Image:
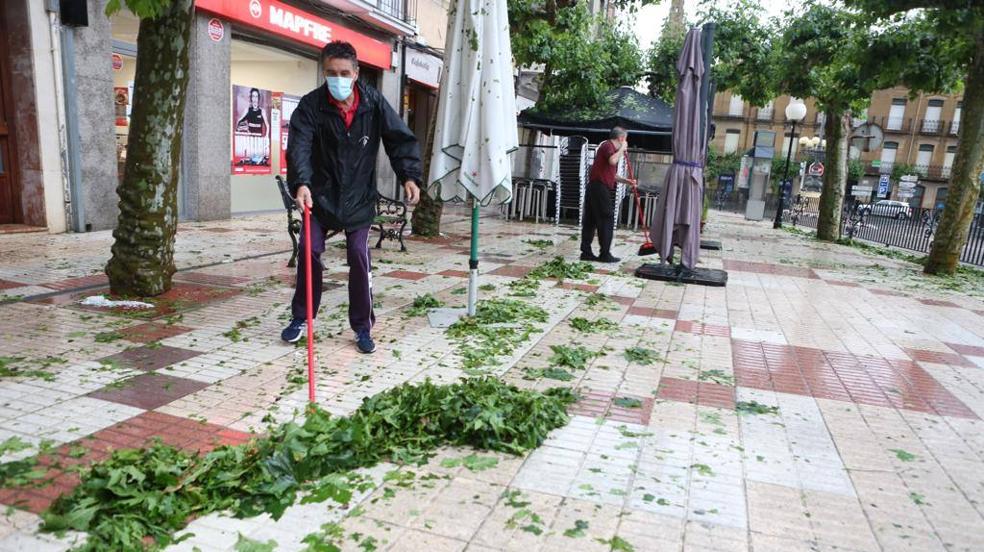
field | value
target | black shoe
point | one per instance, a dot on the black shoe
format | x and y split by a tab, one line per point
608	259
589	257
293	332
365	343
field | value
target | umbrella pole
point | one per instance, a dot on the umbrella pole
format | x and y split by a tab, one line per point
473	261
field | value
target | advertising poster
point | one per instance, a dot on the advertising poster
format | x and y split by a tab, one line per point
251	130
288	104
121	103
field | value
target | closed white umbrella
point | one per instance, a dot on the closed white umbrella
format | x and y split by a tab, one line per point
476	116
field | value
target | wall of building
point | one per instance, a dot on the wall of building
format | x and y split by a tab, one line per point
206	160
432	22
46	53
94	85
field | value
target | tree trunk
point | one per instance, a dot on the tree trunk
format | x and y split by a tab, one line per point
426	219
143	252
964	188
837	127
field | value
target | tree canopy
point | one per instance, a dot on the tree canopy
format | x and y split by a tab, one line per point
583	56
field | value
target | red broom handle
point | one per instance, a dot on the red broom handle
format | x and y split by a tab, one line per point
310	302
635	191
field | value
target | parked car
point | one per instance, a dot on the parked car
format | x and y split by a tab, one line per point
887	208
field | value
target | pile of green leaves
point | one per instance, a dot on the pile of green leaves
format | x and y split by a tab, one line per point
138	499
525	287
560	269
498	327
641	355
585	325
576	358
422	304
540	244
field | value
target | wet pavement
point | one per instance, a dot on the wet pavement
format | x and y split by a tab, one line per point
826	399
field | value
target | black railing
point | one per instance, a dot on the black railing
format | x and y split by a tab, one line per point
928	172
891	224
893	124
932	126
404	10
954	128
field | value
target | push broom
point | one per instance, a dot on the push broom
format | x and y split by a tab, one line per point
309	301
646	248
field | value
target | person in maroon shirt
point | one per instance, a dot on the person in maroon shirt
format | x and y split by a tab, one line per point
599	198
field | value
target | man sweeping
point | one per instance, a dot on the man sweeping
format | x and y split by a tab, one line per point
334	139
599	199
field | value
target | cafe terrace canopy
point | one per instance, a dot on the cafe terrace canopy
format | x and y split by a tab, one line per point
648	120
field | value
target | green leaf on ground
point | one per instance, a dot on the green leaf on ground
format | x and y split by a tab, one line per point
716	376
553	373
599	325
641	355
246	544
903	455
703	469
561	270
917	498
422	304
576	358
473	462
540	244
755	407
617	544
627	402
578	531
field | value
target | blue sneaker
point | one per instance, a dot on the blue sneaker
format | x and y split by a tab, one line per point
365	343
295	331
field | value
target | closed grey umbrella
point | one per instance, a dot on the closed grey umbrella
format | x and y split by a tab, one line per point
678	212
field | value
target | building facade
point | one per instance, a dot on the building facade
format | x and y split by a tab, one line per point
63	133
919	135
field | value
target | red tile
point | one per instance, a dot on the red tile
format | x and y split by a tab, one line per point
888	292
641	311
149	359
210	279
75	283
765	268
512	271
406	275
969	350
937	357
939	303
702	329
10	284
149	391
453	273
843	284
151	331
622	300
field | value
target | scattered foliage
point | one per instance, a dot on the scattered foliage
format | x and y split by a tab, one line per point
641	355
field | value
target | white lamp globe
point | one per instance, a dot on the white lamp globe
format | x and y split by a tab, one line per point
795	111
804	141
823	143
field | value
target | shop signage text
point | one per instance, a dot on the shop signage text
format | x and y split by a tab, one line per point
424	68
287	21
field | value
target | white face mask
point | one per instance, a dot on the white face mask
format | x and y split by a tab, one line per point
340	88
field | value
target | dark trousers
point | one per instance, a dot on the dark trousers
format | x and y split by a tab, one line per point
599	214
361	315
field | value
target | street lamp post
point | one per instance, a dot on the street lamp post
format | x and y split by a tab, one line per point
795	112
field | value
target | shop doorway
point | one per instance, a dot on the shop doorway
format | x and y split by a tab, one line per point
9	192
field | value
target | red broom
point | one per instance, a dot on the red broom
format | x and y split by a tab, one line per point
646	248
310	301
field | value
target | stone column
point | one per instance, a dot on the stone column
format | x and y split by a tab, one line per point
97	116
206	149
392	91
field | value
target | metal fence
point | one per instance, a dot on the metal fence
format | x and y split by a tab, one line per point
890	223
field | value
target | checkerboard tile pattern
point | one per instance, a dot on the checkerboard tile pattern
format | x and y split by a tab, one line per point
842	376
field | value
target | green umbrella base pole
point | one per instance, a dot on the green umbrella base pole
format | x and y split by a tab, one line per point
473	262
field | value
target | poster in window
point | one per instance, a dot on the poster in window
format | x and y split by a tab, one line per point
251	130
121	104
288	105
276	98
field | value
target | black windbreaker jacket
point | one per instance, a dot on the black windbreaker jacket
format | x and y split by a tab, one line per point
339	165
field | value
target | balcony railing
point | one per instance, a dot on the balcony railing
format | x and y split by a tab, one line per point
404	10
929	172
954	128
764	114
932	126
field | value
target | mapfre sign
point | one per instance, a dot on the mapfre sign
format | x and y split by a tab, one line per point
290	22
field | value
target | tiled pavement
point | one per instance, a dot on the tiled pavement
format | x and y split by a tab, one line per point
824	400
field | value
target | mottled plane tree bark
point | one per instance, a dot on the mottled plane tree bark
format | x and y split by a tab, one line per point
142	262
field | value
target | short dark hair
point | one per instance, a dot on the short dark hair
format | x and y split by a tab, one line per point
338	49
618	132
257	90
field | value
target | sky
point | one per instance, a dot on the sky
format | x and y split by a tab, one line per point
649	20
